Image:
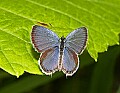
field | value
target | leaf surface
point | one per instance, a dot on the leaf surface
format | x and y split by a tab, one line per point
102	18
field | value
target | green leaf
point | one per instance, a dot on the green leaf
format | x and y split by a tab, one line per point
102	18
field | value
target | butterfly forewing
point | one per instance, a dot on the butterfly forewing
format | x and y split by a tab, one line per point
70	62
76	40
43	38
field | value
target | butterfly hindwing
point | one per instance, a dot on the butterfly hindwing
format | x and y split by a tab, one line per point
70	62
49	60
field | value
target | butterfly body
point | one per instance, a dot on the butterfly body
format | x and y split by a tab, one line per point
62	40
58	54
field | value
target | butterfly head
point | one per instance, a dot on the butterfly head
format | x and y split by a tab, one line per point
62	38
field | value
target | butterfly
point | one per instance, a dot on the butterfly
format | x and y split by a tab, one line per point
58	54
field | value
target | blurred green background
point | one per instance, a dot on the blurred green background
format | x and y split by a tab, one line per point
97	77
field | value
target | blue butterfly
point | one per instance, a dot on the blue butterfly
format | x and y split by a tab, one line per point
58	53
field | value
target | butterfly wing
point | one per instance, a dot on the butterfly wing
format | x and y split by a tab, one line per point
74	44
43	38
49	60
76	40
70	62
47	42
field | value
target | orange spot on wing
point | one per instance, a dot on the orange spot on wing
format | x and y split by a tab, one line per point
44	54
75	57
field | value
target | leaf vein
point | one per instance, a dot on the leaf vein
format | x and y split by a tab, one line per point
84	9
58	11
14	35
8	61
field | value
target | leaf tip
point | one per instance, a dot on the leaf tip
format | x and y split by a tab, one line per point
17	76
118	43
95	59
